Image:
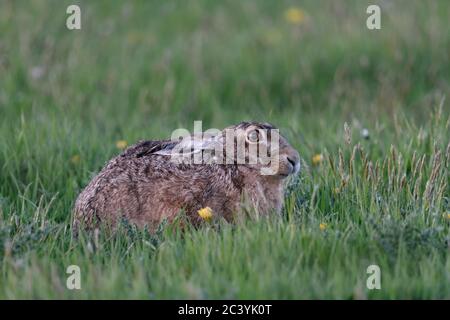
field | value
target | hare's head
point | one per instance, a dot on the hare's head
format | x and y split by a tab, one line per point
260	146
249	145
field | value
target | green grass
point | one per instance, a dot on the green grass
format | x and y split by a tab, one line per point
140	70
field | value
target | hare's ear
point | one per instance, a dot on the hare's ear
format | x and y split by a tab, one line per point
193	144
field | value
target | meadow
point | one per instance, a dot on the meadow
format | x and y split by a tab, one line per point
368	111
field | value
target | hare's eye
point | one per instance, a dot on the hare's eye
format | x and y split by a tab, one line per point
253	136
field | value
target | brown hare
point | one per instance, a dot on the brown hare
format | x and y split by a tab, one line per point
155	180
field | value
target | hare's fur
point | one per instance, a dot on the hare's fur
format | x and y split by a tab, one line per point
143	186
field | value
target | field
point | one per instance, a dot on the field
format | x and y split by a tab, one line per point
368	110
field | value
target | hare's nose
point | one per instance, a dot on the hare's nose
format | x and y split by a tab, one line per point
295	163
292	161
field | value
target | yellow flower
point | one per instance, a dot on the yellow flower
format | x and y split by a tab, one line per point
337	190
448	216
323	226
317	159
75	159
294	15
205	213
121	144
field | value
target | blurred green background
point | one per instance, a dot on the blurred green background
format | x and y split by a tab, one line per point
70	100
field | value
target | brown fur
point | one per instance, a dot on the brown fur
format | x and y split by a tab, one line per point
145	187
